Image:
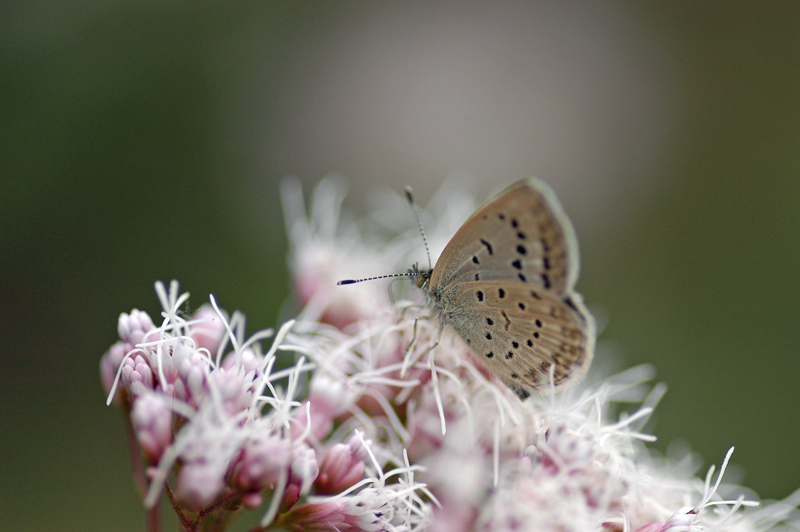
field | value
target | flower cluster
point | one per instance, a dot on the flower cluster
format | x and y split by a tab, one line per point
379	420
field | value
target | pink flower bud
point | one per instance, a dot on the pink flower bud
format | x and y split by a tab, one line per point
234	391
261	463
109	365
248	360
304	467
302	473
190	384
366	512
322	517
251	501
207	334
199	483
152	423
680	520
133	327
342	467
137	376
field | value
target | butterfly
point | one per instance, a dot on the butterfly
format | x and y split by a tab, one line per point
505	283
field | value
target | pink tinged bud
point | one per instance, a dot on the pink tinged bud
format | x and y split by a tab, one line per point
152	423
290	496
321	417
678	522
137	376
207	334
261	463
109	365
133	327
326	516
190	384
302	473
199	483
340	469
304	467
251	501
247	360
233	388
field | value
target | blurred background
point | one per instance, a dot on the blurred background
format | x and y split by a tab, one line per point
146	140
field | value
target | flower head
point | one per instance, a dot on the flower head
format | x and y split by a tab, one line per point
374	418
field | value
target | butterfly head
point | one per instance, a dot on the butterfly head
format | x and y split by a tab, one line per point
421	276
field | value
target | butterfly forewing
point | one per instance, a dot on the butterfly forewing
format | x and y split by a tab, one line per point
520	235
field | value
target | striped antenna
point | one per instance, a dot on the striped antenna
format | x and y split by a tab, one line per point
415	271
410	198
354	281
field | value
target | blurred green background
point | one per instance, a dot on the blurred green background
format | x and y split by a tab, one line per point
145	141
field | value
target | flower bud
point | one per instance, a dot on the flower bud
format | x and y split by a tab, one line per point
109	365
152	423
207	333
198	484
133	327
261	463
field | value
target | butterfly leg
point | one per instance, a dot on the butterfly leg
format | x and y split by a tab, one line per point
410	359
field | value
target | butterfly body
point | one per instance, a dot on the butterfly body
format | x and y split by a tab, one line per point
504	284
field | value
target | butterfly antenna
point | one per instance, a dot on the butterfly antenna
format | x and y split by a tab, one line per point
410	198
354	281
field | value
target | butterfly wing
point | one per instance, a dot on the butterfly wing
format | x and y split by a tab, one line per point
519	331
504	283
522	234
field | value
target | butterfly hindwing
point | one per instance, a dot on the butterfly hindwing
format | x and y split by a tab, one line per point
519	331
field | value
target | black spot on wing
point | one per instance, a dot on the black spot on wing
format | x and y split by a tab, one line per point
571	305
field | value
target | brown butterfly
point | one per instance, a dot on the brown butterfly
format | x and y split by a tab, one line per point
504	284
